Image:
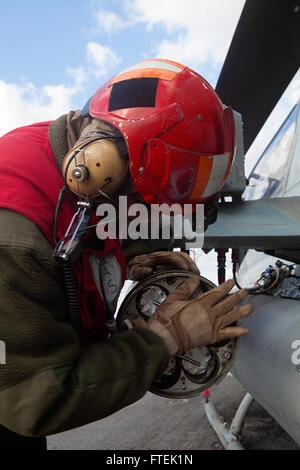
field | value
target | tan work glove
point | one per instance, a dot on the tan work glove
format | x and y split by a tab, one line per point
184	323
142	266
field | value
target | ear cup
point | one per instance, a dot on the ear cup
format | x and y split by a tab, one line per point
94	164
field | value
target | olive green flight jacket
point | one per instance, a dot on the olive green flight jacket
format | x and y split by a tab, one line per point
51	382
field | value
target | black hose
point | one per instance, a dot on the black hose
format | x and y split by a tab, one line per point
59	202
71	289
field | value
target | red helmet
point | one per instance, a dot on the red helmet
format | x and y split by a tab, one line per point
180	137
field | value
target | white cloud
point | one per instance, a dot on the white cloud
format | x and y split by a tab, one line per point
196	31
26	103
109	22
101	58
80	77
201	31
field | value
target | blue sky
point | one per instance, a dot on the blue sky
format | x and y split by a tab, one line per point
44	38
56	53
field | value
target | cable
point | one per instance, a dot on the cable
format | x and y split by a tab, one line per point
60	199
72	233
276	279
252	290
65	261
260	289
71	286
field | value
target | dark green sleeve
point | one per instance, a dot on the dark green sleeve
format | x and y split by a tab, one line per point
50	382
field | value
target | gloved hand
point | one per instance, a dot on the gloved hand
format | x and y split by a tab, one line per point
184	323
142	265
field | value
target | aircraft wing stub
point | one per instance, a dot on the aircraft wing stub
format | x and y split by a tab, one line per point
264	224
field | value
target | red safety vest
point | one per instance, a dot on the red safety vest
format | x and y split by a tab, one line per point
30	181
